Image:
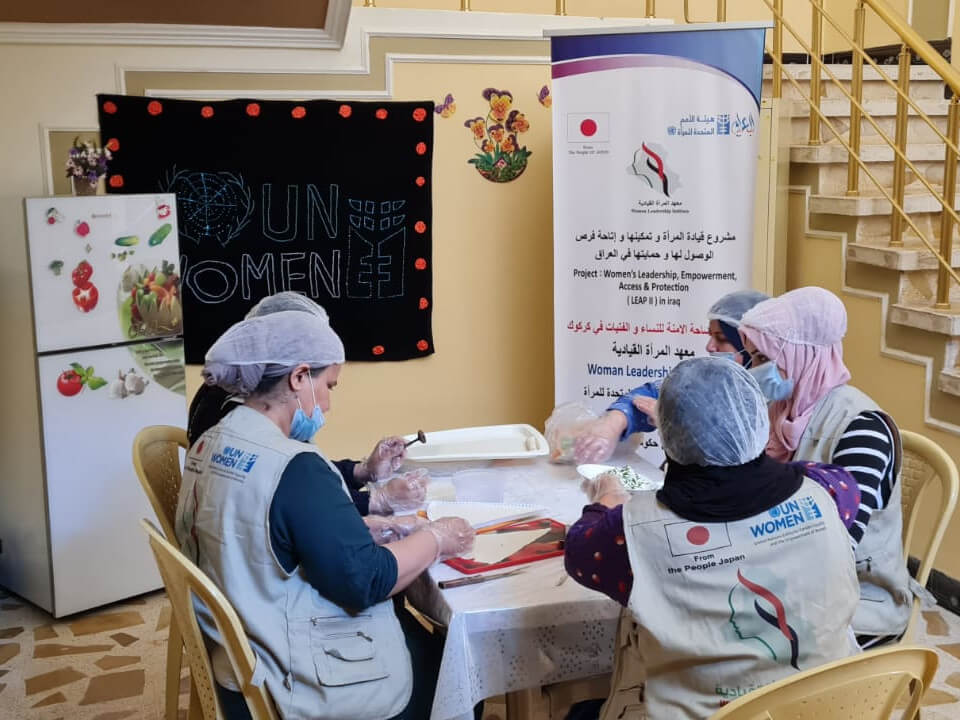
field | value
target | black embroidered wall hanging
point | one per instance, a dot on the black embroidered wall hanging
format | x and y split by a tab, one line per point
325	198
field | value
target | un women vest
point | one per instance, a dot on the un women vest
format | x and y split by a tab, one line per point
319	661
885	584
719	609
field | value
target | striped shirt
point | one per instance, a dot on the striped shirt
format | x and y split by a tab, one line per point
866	451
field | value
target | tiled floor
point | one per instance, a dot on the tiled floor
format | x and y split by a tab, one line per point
109	664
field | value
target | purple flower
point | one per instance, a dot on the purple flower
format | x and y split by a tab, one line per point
490	92
542	95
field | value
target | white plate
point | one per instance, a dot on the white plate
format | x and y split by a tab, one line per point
493	442
649	483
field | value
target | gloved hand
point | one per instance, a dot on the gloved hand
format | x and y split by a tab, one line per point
404	492
386	458
454	537
597	442
646	405
393	527
607	483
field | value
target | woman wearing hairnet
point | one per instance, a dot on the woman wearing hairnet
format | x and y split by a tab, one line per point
633	413
736	573
271	523
795	342
211	403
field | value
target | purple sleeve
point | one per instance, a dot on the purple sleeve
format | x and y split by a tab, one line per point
595	552
841	485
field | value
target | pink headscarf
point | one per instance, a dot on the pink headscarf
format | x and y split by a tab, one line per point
802	332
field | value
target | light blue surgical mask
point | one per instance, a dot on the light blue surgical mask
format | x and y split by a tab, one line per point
731	356
303	428
773	385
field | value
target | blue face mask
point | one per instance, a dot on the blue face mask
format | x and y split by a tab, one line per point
772	384
732	356
303	428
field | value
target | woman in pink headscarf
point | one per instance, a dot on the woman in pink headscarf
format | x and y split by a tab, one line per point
795	343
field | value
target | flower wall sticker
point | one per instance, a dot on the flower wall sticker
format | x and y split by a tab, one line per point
544	96
447	108
501	158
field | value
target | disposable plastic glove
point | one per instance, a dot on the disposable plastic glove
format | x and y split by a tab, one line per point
454	537
404	492
386	458
607	483
386	529
597	442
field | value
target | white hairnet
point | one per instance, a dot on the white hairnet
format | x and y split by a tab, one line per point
731	307
286	300
270	346
711	413
805	316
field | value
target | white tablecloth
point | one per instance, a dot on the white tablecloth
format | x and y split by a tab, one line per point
527	630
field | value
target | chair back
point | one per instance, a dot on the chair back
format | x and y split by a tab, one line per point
925	465
184	581
867	686
157	462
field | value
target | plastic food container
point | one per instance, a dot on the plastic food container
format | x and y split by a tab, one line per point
492	442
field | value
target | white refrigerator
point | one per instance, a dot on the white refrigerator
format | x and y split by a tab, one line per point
108	323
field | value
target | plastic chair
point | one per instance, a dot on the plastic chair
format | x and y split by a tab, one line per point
185	581
924	462
867	686
156	459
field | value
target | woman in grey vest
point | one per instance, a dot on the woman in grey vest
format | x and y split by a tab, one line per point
795	342
373	499
270	520
729	572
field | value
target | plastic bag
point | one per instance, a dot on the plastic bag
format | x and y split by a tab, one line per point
565	423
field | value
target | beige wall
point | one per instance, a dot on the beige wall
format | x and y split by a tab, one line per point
930	18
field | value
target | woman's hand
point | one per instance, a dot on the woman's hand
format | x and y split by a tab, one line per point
404	492
454	537
605	488
599	439
646	405
386	459
387	529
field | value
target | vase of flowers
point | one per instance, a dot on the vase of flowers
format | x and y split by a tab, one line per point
501	158
86	164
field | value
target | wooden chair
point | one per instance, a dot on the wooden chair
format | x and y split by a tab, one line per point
924	464
184	582
867	686
156	458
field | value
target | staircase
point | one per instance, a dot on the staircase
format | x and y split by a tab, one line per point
903	279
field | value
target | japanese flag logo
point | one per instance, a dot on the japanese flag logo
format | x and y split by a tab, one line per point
588	127
687	538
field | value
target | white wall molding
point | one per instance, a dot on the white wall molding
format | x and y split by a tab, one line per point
329	37
394	22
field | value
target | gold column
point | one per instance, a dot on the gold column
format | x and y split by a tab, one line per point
721	10
651	8
777	48
561	7
949	194
856	87
465	5
369	3
815	68
900	140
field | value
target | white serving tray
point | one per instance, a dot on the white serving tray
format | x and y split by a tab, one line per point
493	442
